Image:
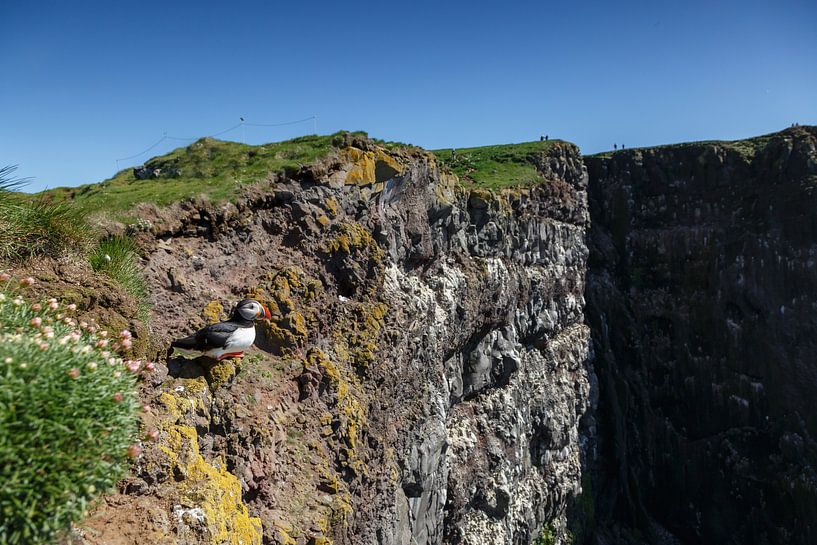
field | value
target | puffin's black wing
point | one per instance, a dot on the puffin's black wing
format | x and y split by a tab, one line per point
212	336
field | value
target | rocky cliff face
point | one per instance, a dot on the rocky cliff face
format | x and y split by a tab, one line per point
422	380
702	295
426	377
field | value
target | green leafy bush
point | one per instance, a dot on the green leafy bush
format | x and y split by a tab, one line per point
546	536
68	417
118	258
32	226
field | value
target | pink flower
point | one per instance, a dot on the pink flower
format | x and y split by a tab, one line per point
53	305
117	397
102	342
5	277
43	346
146	408
73	373
150	367
27	281
125	344
36	322
83	324
36	306
132	365
72	306
124	334
134	451
103	333
153	435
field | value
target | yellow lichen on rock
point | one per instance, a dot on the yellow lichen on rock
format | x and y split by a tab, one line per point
350	411
281	341
387	164
362	171
221	373
178	406
369	167
284	532
363	340
351	236
331	205
213	489
212	312
199	485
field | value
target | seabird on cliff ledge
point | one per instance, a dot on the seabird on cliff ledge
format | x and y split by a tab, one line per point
228	339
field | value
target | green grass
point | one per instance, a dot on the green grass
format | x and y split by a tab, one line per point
33	226
747	147
64	431
497	167
546	536
118	258
214	168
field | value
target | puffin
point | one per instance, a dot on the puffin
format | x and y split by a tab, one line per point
227	339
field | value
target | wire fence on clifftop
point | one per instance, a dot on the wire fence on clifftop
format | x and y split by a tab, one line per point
242	125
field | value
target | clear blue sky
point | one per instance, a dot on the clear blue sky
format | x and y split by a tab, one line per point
87	82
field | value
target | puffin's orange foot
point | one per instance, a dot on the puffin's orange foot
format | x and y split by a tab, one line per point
231	355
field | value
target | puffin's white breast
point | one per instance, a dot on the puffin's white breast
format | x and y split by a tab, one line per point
242	339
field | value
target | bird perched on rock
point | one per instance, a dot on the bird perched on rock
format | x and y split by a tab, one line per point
228	339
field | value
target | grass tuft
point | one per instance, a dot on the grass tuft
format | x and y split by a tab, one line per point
118	258
68	417
37	226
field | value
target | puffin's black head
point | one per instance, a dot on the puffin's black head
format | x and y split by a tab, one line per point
250	309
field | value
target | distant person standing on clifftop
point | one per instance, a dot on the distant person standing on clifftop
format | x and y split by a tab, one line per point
615	146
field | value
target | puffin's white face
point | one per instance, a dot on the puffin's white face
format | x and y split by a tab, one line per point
251	310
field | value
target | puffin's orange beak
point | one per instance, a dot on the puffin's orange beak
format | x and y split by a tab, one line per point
267	314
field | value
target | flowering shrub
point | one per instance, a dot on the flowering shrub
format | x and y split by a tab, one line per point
68	415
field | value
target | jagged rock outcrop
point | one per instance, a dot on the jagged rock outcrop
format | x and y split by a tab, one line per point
701	295
422	379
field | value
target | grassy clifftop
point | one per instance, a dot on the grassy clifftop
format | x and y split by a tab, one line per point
208	166
497	167
747	147
218	169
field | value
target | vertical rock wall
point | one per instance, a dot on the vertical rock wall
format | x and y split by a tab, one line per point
702	297
492	321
